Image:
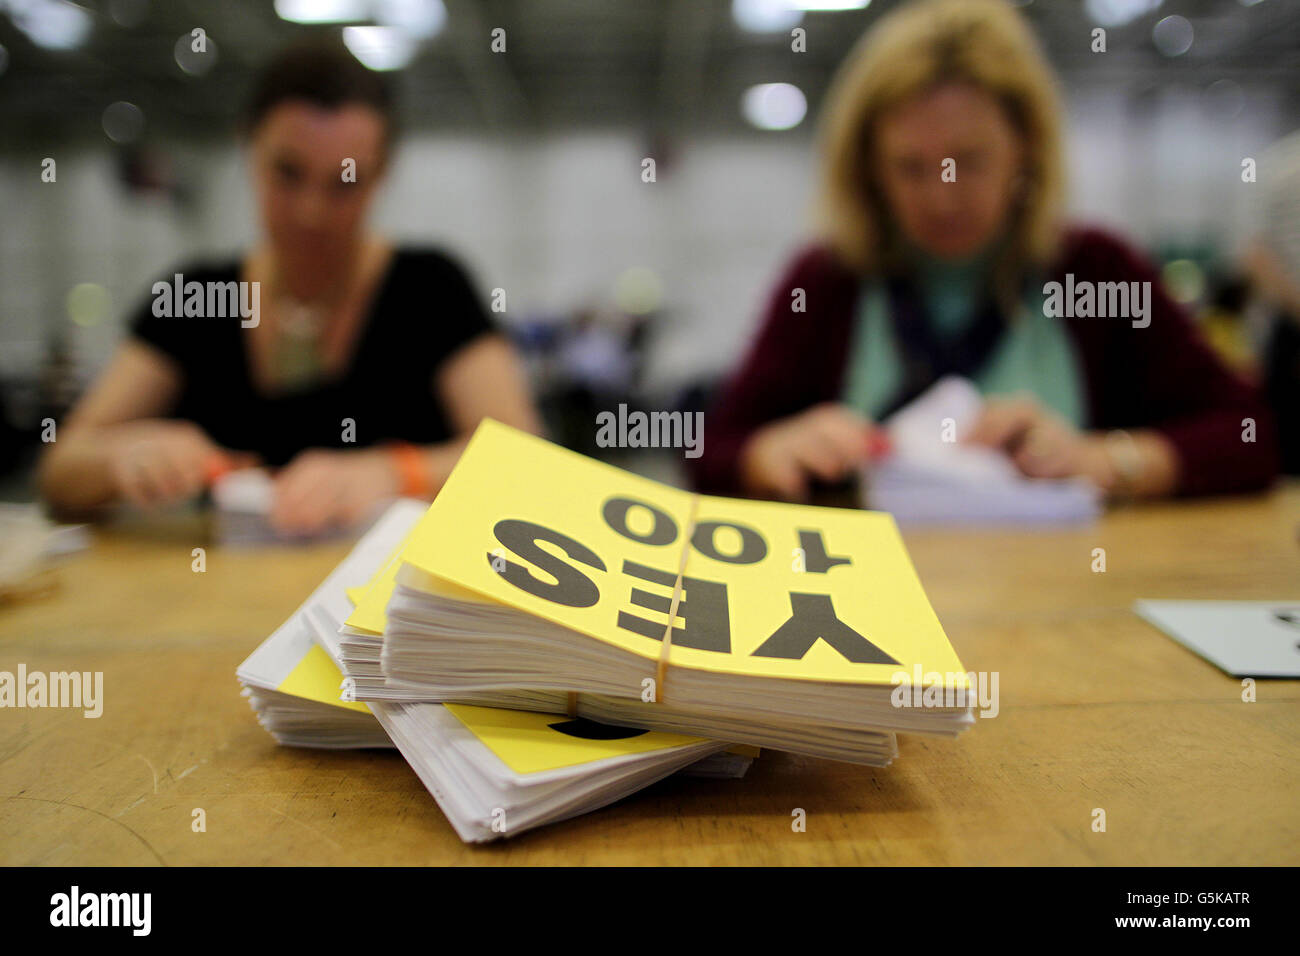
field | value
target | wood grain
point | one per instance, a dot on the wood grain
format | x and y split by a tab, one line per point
1098	709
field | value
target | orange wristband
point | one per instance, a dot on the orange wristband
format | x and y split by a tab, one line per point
216	467
412	469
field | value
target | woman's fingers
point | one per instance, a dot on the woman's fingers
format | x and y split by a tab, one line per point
1003	423
826	442
132	482
1039	444
186	470
1045	452
300	497
307	495
168	476
820	455
838	440
153	475
780	473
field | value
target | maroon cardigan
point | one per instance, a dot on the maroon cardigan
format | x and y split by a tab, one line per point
1162	376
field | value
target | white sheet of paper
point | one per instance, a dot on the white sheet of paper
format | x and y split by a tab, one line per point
1242	638
932	476
249	490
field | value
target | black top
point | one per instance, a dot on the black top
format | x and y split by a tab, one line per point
423	312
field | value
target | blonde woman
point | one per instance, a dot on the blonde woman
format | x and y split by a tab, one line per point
940	200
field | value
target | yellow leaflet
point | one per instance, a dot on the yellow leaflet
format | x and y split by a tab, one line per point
776	590
355	594
531	743
317	678
368	614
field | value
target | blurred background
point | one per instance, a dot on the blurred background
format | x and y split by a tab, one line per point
527	164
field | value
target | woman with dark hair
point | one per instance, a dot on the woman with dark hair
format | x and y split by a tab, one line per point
360	368
943	253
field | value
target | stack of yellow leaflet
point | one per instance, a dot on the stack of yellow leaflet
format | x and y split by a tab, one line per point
543	580
494	772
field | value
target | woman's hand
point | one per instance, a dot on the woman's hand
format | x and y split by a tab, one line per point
158	462
322	488
826	442
1141	464
1041	444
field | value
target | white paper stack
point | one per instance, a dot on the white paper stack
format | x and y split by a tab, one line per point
490	788
241	501
931	476
428	621
494	773
357	651
805	651
292	685
438	665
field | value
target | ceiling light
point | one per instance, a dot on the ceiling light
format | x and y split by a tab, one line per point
52	24
419	18
123	122
1173	36
827	6
192	61
765	16
774	105
322	11
128	13
380	48
1116	13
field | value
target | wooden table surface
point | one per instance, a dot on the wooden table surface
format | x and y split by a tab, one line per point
1098	710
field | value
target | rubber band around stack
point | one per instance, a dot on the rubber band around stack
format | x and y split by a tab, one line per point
665	646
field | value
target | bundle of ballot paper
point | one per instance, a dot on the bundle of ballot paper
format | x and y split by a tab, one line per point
932	476
542	580
494	772
554	633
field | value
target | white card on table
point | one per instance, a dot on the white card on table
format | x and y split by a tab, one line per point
1243	638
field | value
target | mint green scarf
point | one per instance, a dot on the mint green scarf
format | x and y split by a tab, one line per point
1034	355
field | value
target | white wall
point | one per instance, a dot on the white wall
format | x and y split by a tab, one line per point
553	219
1175	171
